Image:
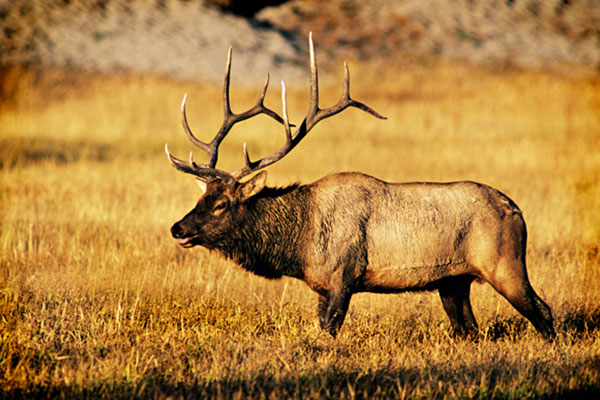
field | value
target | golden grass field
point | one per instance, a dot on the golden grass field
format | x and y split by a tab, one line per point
97	300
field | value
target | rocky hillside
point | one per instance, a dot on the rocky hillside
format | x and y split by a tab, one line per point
188	39
527	33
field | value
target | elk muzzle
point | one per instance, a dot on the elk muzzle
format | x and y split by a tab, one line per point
185	239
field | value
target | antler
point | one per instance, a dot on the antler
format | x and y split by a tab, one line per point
314	115
208	171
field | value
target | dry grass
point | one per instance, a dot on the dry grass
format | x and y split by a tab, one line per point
96	300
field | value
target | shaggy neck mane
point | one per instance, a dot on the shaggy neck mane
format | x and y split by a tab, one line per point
267	241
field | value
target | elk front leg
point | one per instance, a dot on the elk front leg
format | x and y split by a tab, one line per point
332	311
323	311
334	304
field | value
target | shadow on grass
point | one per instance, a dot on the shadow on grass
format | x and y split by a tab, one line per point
580	322
575	324
494	380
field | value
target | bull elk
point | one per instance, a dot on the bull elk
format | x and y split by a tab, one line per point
350	232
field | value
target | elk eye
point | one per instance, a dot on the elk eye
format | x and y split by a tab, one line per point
219	207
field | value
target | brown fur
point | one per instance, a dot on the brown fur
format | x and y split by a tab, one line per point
350	232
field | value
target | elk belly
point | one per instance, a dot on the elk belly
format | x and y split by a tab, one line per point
401	278
414	256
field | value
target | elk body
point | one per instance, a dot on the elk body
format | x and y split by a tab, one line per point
349	232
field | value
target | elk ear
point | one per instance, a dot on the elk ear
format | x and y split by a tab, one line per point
252	186
201	185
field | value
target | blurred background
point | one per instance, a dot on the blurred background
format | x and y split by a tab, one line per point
188	39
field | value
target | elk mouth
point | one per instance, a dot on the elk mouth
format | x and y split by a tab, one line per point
188	241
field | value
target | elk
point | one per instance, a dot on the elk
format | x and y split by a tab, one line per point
350	232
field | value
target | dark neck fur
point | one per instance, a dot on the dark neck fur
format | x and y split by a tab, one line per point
269	239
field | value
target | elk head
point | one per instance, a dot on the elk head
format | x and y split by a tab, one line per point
213	218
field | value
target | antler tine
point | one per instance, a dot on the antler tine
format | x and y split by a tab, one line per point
351	102
286	120
226	84
230	118
267	111
290	143
211	149
202	171
313	106
197	142
314	115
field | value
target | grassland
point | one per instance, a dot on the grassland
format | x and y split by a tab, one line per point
96	300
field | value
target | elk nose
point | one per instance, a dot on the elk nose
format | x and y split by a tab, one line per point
177	231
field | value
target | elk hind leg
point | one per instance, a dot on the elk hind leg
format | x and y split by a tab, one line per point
515	287
454	293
